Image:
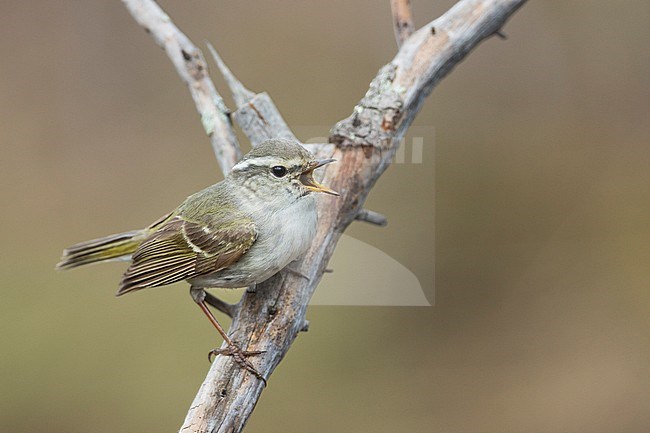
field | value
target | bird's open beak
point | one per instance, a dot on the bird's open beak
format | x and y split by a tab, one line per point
307	177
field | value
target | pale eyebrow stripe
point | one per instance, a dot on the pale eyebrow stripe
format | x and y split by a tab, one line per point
266	161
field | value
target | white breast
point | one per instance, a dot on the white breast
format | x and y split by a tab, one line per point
283	236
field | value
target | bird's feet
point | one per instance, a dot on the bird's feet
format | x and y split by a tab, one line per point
240	357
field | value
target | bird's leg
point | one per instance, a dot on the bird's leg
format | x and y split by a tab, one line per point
291	268
226	308
239	355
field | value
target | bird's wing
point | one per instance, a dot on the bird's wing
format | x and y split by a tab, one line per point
181	248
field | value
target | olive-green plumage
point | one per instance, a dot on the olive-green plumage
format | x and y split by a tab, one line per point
237	232
112	247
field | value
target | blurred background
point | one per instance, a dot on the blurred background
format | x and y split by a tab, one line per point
531	204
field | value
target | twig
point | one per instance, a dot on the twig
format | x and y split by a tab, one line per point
191	67
240	94
256	114
371	217
402	20
260	120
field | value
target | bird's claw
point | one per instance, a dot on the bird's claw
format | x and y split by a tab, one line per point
239	356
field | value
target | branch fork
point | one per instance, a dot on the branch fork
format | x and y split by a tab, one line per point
363	144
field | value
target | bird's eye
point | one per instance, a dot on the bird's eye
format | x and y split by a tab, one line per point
279	171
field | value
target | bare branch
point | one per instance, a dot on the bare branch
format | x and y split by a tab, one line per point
240	94
192	68
371	217
400	88
256	114
402	20
260	120
271	318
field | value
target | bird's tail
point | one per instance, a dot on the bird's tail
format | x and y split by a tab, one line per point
113	247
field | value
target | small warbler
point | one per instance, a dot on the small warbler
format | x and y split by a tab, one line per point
236	233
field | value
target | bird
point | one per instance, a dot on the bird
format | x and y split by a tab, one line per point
236	233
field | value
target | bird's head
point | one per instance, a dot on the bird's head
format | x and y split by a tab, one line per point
278	167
